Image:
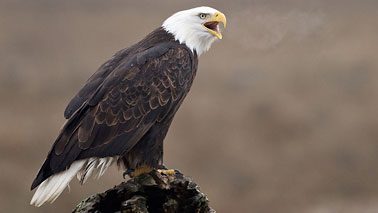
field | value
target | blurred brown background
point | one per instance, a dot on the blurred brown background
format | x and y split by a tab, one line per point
282	116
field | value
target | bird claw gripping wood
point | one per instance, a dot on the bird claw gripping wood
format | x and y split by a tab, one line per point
168	172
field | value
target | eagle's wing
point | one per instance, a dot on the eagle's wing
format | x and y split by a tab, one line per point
117	112
94	82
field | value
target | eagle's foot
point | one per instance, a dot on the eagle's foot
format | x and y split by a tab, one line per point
167	172
128	172
138	171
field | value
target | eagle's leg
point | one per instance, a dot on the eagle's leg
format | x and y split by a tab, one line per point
147	154
139	171
146	169
136	172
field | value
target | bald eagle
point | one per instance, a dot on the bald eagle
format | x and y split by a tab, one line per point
123	112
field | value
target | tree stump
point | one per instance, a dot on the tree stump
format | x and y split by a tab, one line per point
148	193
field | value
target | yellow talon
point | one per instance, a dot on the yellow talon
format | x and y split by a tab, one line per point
141	170
167	171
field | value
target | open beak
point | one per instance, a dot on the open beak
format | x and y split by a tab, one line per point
212	25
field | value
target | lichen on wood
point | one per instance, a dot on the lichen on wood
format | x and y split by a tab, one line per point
149	193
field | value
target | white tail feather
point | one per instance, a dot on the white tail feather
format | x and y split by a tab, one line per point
50	189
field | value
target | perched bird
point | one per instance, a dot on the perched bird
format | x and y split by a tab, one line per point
123	112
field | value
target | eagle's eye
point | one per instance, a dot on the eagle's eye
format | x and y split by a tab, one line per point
203	15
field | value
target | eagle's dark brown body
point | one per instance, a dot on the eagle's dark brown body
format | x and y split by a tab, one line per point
126	107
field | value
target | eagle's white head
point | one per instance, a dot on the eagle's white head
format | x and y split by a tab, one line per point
198	28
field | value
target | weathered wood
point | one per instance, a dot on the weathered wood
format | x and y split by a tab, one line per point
147	193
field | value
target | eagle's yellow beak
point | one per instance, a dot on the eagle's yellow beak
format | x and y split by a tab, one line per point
212	24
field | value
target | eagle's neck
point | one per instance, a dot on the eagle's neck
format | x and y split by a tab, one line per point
196	40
